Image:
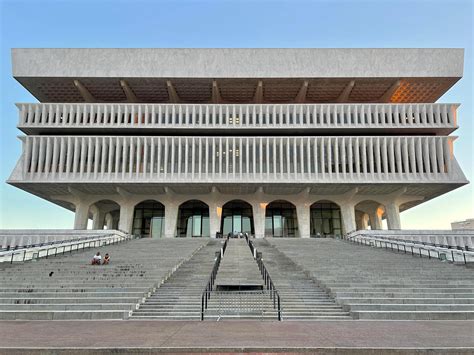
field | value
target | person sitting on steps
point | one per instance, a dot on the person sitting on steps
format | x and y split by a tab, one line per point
106	259
96	259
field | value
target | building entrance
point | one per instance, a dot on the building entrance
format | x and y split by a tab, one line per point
193	219
149	219
325	219
237	217
281	220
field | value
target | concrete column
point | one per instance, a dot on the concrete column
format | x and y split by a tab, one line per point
365	221
98	219
348	217
259	219
171	220
215	214
375	220
82	215
393	215
303	215
126	217
109	221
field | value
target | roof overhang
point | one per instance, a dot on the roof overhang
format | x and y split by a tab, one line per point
237	75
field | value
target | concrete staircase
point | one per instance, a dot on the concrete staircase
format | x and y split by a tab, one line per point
378	284
239	287
179	297
301	297
68	287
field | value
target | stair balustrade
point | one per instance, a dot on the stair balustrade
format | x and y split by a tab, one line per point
269	285
206	294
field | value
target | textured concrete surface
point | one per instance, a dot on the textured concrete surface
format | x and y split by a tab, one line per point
243	336
238	62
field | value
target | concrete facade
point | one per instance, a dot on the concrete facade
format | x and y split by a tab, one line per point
306	147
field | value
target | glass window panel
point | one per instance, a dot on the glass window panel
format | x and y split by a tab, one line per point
246	225
205	227
189	227
237	224
227	225
327	214
156	226
268	226
196	226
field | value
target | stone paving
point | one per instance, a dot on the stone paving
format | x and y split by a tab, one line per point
240	336
238	266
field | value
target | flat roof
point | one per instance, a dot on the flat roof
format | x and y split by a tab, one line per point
52	74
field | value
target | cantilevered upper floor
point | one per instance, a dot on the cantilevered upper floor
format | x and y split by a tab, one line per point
233	76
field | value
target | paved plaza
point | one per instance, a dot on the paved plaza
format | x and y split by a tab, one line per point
239	336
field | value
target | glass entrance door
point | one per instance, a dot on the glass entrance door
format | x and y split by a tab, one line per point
157	226
237	218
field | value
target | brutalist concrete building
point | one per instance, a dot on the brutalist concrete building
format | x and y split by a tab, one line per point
272	142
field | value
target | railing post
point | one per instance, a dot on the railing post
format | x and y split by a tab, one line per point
202	307
279	308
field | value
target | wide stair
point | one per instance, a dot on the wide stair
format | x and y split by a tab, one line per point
301	297
374	283
179	297
68	287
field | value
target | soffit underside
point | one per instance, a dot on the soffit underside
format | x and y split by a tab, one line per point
249	90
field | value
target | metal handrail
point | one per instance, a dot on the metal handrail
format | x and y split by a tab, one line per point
39	245
108	241
388	243
206	294
269	285
445	246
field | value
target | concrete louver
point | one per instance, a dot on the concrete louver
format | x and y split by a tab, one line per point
78	290
252	159
377	284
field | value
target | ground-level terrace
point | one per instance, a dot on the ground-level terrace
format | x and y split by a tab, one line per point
289	210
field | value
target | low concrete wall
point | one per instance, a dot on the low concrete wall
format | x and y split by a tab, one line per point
22	237
456	238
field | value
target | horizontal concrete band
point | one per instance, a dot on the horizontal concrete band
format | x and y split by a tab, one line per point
237	63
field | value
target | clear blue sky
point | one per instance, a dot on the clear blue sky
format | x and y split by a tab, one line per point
220	23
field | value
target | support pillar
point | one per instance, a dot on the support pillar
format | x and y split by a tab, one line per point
259	219
348	217
126	217
82	215
109	221
303	215
365	221
392	212
171	220
375	220
98	219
